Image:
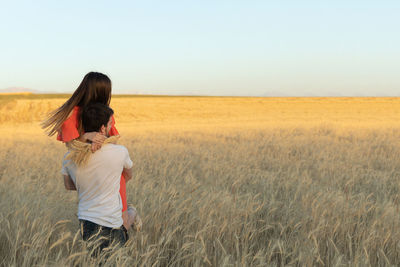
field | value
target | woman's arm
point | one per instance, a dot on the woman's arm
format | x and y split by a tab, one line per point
96	138
69	131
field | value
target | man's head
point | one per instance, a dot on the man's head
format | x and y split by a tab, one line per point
97	118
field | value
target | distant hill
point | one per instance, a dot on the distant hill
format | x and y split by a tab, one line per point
15	90
304	94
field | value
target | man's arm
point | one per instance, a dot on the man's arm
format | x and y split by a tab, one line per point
128	164
127	174
127	171
68	183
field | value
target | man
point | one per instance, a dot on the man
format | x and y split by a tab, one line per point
97	181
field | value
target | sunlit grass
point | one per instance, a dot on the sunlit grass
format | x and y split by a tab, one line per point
214	189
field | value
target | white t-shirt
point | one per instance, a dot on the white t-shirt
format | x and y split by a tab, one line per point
98	184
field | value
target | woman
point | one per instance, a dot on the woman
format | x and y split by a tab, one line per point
66	122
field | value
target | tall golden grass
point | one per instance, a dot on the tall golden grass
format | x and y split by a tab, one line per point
218	181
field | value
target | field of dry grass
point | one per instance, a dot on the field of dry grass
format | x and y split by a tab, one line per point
219	182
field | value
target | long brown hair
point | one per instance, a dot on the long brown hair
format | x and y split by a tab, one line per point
94	88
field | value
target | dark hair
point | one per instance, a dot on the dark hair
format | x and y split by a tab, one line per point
94	116
94	88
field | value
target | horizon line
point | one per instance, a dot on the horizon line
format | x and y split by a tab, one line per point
26	93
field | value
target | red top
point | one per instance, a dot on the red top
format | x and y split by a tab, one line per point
69	128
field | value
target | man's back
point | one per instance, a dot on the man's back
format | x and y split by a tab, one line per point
98	184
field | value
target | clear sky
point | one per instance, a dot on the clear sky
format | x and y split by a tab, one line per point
204	47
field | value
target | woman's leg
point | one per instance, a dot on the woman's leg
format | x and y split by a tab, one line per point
122	192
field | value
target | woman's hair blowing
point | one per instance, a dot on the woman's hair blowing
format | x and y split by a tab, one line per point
94	88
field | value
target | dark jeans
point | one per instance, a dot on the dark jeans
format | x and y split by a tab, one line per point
102	236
